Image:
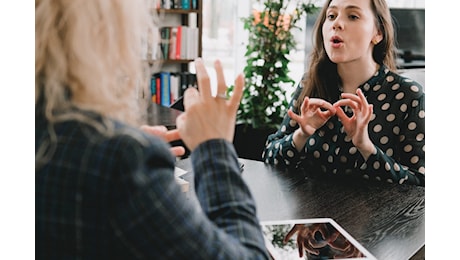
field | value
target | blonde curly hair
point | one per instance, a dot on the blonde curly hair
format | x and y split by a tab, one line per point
88	55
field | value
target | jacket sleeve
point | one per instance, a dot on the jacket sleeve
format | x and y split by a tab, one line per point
154	219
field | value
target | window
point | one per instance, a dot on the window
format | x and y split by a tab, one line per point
224	38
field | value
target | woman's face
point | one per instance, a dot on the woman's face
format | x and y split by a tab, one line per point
349	30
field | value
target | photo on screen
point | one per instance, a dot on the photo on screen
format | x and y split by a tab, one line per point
318	238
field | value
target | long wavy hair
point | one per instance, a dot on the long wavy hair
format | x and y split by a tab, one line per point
321	80
88	55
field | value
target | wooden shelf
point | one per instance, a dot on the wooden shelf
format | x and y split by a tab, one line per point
178	11
176	72
170	61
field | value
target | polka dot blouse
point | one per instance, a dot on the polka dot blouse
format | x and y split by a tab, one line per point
397	129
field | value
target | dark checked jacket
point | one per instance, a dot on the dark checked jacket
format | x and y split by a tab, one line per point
99	197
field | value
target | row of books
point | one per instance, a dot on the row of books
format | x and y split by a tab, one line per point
179	42
166	87
178	4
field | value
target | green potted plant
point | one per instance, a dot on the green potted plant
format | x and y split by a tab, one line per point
264	102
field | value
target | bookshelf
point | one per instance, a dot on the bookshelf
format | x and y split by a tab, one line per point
181	29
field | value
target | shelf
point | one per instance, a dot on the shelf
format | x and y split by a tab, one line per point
168	84
176	61
178	11
182	62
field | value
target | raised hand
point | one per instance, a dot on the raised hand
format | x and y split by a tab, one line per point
207	117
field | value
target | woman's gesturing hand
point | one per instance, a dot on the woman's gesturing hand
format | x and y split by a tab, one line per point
207	117
314	113
356	126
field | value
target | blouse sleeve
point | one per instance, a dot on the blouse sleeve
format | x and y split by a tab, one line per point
407	164
279	148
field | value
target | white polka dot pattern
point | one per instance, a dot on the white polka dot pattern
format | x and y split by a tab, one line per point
397	129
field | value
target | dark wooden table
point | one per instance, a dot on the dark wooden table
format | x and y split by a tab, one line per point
387	219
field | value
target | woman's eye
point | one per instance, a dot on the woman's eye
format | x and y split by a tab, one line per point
330	16
353	17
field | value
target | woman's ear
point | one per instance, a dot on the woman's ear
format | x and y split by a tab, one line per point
377	38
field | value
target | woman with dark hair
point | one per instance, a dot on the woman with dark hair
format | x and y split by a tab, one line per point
353	115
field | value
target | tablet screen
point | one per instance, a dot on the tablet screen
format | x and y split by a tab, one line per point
320	238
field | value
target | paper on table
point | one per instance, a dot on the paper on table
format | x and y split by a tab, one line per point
183	183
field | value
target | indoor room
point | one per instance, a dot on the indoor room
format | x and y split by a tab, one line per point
231	129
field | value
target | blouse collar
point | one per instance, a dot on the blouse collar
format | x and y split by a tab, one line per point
377	77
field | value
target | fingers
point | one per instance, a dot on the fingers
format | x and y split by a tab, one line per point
291	232
300	246
346	102
314	104
341	115
370	111
154	130
162	131
294	116
320	103
359	98
172	135
358	103
207	117
178	151
204	83
221	85
191	96
168	136
235	99
181	119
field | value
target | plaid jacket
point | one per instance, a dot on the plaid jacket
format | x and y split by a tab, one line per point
101	197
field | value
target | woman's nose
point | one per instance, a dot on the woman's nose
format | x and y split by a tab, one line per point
337	25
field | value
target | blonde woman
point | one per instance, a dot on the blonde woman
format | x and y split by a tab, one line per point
104	189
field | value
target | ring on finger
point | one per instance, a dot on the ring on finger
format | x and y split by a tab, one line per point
222	96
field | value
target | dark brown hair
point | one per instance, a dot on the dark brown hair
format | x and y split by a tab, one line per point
321	80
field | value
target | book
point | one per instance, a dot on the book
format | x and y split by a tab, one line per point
158	86
165	41
165	90
153	88
186	4
178	44
321	238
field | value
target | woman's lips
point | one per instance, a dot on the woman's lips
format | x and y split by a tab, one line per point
336	41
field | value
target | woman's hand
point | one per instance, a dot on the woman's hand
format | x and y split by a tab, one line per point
207	117
168	136
356	126
306	240
315	237
314	113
